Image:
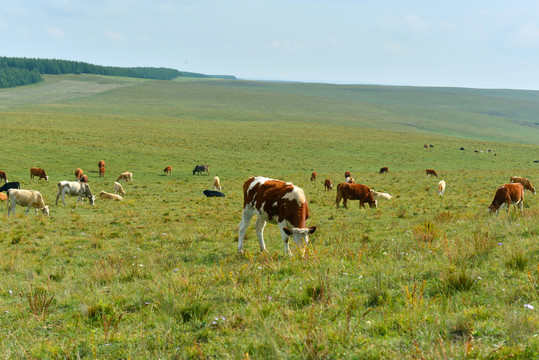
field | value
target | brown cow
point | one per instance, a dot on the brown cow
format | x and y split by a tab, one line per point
431	172
277	202
3	176
328	185
101	163
349	180
167	170
40	173
102	171
346	191
78	173
506	195
84	179
3	196
384	170
313	176
525	183
347	174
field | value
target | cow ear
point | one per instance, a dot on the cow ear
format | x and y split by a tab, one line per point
287	231
312	229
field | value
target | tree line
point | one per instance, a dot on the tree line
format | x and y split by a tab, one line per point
22	71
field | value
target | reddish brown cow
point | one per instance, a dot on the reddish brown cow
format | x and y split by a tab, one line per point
506	195
328	185
525	183
313	176
84	179
101	163
40	173
167	170
3	196
431	172
78	173
3	176
277	202
384	170
347	174
102	171
346	191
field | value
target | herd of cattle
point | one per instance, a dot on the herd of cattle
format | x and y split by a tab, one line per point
273	201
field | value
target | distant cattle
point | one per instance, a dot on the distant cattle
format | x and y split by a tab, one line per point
347	174
40	173
441	187
126	176
313	176
525	183
426	146
3	176
213	193
216	183
384	170
381	195
84	179
535	161
346	191
102	171
168	170
277	202
78	173
109	196
431	172
201	168
506	195
74	188
118	189
10	185
30	198
349	180
101	163
328	185
461	148
431	145
3	197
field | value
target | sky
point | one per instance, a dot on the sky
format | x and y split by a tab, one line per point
457	43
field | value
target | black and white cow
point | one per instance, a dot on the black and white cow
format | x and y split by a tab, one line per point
10	185
201	168
74	188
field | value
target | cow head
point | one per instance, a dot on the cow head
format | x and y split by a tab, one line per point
373	204
45	210
91	199
300	235
492	209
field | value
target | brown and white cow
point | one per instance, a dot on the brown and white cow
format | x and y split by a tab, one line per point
346	191
102	171
109	196
168	170
3	176
126	176
349	180
216	183
441	187
506	195
277	202
431	172
78	173
384	170
347	174
118	189
84	179
525	183
30	198
328	185
101	163
40	173
313	176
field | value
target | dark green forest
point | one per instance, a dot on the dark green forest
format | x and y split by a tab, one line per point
22	71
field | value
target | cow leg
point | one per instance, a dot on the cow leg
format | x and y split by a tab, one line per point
344	202
259	229
286	239
26	213
63	197
245	218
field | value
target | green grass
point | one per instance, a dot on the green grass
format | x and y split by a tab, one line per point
158	275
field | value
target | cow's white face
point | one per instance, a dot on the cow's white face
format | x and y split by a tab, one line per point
91	199
45	210
300	235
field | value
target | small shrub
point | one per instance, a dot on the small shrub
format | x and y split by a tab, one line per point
39	301
517	260
454	280
425	232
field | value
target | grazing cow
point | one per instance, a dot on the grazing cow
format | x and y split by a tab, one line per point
167	170
118	189
106	195
363	193
3	197
216	183
506	195
347	174
525	183
462	148
384	170
349	180
277	202
102	171
328	185
431	172
84	179
200	168
3	176
441	187
78	173
426	146
40	173
313	176
11	185
213	193
74	188
535	161
126	176
431	145
101	163
30	198
381	195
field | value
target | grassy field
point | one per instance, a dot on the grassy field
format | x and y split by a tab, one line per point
158	275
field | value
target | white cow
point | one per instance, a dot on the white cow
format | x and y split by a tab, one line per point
216	183
106	195
441	188
126	176
118	188
30	198
381	195
74	188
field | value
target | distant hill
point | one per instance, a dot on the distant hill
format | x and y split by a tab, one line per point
22	71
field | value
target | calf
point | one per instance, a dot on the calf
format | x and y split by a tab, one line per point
313	176
200	168
525	183
118	188
277	202
506	195
102	171
431	172
101	163
216	183
3	176
106	195
347	174
126	176
74	188
328	185
40	173
78	173
441	187
84	179
381	195
168	170
363	193
384	170
11	185
30	198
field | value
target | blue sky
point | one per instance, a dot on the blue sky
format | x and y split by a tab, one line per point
481	44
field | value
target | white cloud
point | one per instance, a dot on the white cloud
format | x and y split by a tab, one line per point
395	48
55	32
412	22
527	35
116	36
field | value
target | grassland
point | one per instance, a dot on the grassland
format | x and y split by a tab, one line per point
158	276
